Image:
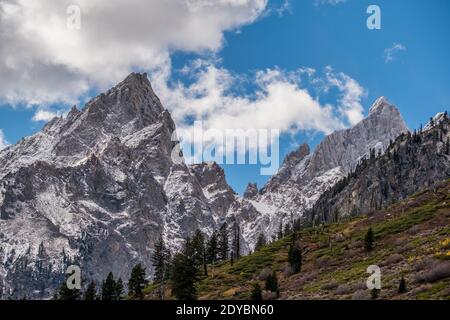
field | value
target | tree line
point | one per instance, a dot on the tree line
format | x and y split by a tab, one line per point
181	271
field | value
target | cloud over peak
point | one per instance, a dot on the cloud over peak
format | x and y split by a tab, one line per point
43	61
276	99
3	142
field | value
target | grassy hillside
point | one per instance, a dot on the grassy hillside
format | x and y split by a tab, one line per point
412	239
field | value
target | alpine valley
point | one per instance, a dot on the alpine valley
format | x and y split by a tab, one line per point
99	186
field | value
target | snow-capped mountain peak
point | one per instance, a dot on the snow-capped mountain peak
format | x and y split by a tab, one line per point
304	176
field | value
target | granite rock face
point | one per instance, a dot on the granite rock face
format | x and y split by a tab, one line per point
97	188
251	191
304	176
411	163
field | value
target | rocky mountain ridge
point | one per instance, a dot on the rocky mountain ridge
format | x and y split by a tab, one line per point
304	176
411	163
99	186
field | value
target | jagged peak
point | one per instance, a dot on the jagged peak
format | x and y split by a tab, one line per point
73	112
298	154
207	165
379	105
135	79
251	191
436	120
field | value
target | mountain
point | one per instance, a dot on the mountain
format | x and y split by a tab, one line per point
411	242
412	162
97	188
304	176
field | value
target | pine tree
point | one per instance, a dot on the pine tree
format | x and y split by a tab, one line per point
236	240
256	293
280	231
184	274
369	240
160	261
64	293
374	293
109	288
136	282
161	264
272	283
118	289
402	286
287	229
295	255
261	241
211	248
222	245
198	245
91	292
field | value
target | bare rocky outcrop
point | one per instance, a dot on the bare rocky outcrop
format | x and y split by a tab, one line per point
304	176
411	163
97	188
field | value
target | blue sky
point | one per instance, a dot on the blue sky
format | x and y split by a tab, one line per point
316	35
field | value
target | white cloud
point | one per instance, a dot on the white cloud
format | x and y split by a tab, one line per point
42	61
281	100
44	115
390	53
3	142
351	93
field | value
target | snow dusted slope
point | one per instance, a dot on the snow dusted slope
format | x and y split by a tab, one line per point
303	176
95	188
98	187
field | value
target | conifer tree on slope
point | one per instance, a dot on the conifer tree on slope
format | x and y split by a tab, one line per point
184	274
236	240
119	289
261	241
161	260
136	282
91	292
64	293
280	231
211	248
198	245
223	247
109	288
369	240
295	254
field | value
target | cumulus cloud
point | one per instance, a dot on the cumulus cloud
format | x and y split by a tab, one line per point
278	100
43	61
3	142
390	53
44	115
351	94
